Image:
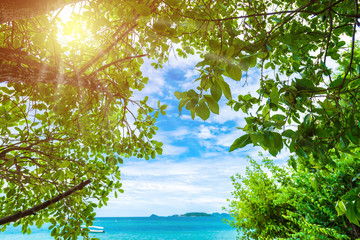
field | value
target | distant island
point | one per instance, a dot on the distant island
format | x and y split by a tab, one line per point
197	214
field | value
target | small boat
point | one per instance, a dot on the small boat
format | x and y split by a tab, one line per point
95	229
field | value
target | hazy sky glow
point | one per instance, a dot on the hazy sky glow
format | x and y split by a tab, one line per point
193	174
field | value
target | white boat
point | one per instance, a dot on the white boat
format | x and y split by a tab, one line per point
95	229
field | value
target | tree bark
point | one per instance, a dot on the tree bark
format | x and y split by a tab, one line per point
33	210
11	10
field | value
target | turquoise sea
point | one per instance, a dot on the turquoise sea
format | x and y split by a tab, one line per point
144	228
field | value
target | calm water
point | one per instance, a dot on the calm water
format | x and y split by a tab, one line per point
199	228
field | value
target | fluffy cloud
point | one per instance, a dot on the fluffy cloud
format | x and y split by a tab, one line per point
205	132
172	150
169	186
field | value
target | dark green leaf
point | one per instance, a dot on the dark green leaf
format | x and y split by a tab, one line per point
240	142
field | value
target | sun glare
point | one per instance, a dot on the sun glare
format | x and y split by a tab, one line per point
65	13
67	33
72	31
65	16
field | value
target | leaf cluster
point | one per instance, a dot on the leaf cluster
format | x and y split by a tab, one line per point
277	202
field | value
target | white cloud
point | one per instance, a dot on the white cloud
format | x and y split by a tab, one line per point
167	187
168	137
191	74
177	134
205	132
183	63
172	150
226	140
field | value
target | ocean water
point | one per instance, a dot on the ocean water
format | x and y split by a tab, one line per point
143	228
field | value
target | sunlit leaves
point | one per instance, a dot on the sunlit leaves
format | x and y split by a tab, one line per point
270	201
202	110
212	103
234	71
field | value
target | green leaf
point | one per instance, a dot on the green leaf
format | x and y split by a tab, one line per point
322	133
178	95
233	71
70	174
182	103
292	162
40	37
356	177
202	110
304	84
216	91
213	105
300	151
278	143
214	45
65	164
252	60
159	26
337	82
269	140
172	3
240	142
351	195
111	161
257	138
352	138
143	10
274	95
351	214
314	183
226	89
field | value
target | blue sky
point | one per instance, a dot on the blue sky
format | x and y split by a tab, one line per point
193	174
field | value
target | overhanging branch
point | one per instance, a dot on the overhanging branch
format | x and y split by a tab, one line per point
33	210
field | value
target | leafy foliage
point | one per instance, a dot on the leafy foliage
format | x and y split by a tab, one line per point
303	103
273	202
298	42
67	113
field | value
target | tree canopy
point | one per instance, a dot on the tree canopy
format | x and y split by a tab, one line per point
68	115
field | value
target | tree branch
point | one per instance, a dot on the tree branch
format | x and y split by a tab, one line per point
115	62
33	210
298	10
108	49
